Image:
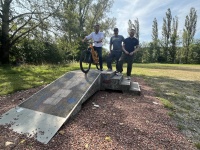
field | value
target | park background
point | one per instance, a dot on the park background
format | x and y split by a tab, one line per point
41	40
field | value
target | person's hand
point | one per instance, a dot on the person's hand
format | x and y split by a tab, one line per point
83	40
131	53
126	52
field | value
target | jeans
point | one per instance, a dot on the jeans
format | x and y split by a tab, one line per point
114	54
99	51
129	60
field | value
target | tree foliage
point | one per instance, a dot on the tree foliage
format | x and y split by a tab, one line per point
48	21
18	19
155	41
134	26
189	31
166	32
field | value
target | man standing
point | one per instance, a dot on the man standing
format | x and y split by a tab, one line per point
115	49
97	37
130	46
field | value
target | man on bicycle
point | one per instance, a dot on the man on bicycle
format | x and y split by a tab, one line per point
97	37
115	49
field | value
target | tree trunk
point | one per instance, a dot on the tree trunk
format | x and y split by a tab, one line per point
5	42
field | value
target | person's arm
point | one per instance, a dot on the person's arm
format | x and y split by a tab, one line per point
101	38
110	44
87	37
136	49
83	40
123	48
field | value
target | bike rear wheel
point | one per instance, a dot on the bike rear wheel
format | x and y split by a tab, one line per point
85	61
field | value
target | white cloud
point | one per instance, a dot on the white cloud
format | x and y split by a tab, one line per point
146	11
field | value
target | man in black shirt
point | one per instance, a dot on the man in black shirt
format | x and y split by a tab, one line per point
130	46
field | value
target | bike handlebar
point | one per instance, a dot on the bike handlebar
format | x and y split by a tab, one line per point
91	42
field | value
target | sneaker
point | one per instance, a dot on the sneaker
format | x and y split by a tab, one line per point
119	74
128	78
109	69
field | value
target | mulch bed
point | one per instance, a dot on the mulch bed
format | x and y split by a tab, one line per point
122	121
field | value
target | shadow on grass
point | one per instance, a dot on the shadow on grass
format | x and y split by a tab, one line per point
185	98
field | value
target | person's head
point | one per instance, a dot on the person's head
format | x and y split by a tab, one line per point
116	31
132	32
96	28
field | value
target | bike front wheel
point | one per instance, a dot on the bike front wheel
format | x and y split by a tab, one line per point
85	61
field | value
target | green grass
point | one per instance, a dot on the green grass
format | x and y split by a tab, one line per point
166	103
176	85
28	76
197	145
178	88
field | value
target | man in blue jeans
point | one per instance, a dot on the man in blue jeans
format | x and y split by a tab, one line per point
97	37
130	47
115	49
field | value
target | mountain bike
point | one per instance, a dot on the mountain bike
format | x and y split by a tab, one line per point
88	57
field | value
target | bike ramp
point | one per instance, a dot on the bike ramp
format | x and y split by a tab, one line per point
42	114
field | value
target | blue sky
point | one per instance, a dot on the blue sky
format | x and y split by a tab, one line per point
147	10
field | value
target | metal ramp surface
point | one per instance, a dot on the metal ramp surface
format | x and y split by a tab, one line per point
42	114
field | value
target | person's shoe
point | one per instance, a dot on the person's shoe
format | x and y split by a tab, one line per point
119	74
100	69
128	78
109	69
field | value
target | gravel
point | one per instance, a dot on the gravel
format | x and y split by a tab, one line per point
121	121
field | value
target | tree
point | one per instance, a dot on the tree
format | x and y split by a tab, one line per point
174	39
194	56
166	32
20	18
134	26
189	31
76	19
155	40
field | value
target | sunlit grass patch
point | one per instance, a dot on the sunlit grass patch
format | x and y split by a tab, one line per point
166	103
28	76
197	145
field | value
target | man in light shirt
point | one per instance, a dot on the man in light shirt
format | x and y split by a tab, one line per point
97	37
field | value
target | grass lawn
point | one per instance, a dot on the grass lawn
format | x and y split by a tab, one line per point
176	85
178	88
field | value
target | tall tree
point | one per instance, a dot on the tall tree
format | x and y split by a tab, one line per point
189	31
76	19
166	32
18	19
155	39
174	39
134	26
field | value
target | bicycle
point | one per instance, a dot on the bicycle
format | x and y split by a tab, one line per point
88	57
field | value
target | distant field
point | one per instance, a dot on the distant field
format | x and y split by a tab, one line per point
177	86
